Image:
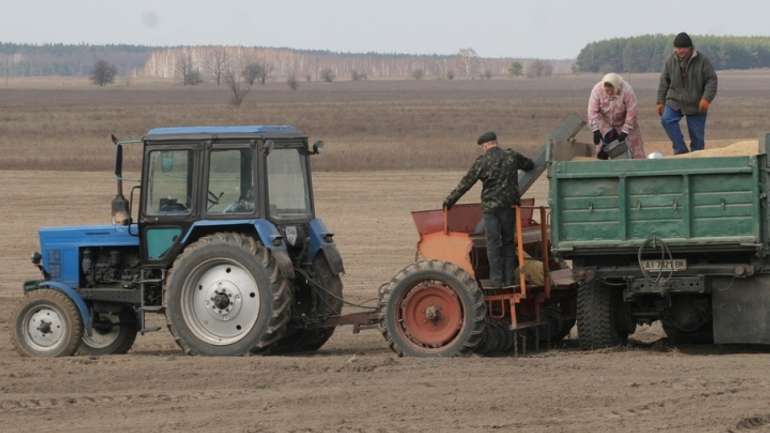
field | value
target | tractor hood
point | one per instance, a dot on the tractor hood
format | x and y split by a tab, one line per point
60	247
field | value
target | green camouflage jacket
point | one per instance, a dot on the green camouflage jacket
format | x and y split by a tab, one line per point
498	170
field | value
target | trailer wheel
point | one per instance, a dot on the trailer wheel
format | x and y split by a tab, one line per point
598	323
226	297
319	305
688	320
111	334
432	309
48	324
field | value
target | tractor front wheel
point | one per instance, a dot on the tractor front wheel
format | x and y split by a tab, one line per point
48	324
432	309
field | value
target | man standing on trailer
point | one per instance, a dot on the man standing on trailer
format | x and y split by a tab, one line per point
688	86
498	171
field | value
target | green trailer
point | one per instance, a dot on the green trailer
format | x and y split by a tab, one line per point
681	240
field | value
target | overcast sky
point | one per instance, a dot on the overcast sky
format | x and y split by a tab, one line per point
536	28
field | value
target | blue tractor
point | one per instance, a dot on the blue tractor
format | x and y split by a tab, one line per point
225	242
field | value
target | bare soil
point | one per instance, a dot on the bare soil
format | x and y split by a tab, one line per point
354	384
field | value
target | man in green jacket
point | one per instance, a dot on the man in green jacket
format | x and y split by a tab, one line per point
687	87
498	171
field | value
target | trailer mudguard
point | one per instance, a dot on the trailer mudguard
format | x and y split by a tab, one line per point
85	312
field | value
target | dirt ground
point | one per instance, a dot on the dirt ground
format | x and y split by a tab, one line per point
354	384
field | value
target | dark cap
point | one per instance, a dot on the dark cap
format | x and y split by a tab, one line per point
486	138
682	40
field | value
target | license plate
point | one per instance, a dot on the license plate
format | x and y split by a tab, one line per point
674	265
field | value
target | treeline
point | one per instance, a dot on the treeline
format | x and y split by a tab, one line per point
80	60
67	59
647	53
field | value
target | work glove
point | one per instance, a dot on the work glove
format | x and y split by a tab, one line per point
660	109
597	137
448	203
602	154
703	105
622	137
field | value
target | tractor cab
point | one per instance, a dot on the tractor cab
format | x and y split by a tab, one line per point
198	179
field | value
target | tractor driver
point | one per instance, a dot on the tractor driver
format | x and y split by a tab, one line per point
498	170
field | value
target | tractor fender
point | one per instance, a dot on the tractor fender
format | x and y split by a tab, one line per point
333	259
85	312
322	242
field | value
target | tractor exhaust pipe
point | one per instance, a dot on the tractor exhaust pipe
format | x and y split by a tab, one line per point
120	212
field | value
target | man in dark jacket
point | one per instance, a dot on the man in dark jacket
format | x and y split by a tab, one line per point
687	87
498	171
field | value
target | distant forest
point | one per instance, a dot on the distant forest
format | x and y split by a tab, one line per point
64	59
647	53
165	62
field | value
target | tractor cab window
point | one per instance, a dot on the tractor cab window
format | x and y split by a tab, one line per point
287	182
169	182
231	189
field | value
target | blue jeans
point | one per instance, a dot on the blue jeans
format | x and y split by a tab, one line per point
696	125
500	227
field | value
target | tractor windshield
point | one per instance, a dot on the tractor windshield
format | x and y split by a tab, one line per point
287	182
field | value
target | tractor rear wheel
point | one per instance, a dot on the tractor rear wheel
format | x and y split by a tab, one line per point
48	324
111	334
432	309
226	297
598	321
317	305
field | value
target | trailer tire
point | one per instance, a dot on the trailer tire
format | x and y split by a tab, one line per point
328	304
555	314
225	296
116	340
448	302
598	308
703	335
46	324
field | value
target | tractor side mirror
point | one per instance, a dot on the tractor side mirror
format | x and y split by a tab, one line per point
317	146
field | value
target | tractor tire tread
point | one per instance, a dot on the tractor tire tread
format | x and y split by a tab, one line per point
281	294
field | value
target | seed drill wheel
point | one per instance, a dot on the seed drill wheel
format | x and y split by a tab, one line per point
111	334
498	339
431	309
48	324
226	296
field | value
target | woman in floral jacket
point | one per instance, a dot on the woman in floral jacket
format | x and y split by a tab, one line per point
612	106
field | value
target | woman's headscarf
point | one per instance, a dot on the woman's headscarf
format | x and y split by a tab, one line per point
615	80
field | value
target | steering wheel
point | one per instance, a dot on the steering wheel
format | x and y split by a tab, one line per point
213	199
